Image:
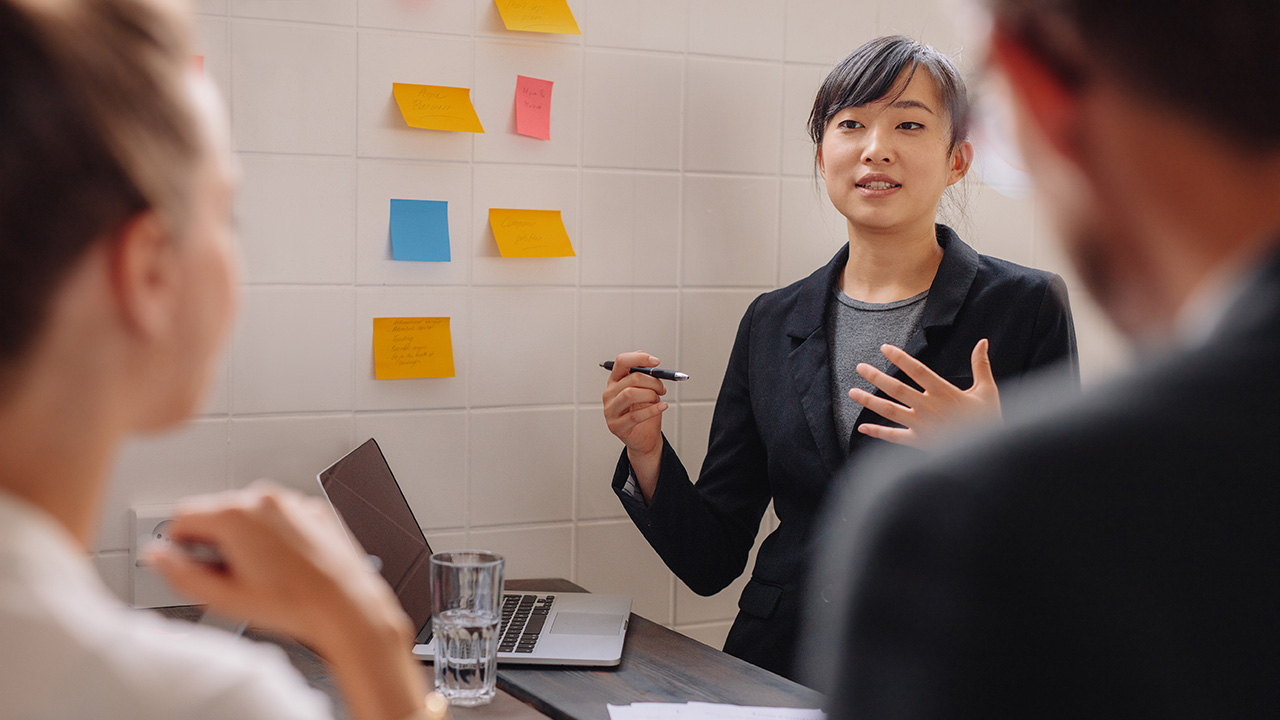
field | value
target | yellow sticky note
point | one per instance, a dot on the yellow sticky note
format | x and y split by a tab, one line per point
412	347
530	233
548	16
436	107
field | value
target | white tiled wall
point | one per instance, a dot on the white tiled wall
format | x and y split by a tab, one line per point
454	17
294	350
681	165
630	228
293	86
735	223
631	110
733	116
736	28
297	217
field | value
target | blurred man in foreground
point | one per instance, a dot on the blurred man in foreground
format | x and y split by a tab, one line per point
1113	554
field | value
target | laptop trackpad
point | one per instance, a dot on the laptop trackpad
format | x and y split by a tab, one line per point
580	623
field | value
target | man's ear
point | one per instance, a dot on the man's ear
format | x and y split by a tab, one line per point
145	274
1049	102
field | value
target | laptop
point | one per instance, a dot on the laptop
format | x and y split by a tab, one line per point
580	629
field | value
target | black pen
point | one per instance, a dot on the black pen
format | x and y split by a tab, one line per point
651	372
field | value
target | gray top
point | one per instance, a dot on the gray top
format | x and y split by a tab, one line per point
857	330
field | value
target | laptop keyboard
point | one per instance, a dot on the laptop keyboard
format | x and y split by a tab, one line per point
523	617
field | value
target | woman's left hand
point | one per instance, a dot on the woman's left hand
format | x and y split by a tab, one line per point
924	414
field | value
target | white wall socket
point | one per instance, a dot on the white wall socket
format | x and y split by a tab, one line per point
149	589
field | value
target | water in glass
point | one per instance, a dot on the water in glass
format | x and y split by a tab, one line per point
466	659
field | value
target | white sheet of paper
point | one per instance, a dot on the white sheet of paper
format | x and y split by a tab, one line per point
709	711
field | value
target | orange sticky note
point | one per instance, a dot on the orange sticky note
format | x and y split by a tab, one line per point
530	233
436	107
412	347
533	107
548	16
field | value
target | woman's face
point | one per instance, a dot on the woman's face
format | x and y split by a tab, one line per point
887	163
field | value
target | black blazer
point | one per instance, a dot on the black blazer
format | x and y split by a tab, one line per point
1115	555
773	433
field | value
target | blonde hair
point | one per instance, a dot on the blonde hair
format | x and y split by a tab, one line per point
95	127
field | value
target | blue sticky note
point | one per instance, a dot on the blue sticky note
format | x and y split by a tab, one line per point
420	230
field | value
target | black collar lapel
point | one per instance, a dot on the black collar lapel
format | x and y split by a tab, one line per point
950	287
810	358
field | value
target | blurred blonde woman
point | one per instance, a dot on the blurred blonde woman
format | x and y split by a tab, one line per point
118	282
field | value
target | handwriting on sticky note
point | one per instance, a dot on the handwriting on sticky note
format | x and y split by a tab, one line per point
412	347
530	233
533	107
420	230
436	107
548	16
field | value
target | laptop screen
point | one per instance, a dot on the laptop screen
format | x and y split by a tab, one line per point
362	489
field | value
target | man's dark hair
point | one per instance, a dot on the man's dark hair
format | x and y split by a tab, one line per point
1219	61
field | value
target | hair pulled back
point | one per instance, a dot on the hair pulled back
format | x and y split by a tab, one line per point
95	127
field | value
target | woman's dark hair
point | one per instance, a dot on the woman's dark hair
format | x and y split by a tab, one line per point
870	74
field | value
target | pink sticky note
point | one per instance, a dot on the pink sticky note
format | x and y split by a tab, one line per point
533	107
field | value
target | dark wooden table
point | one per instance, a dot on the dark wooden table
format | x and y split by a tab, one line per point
658	665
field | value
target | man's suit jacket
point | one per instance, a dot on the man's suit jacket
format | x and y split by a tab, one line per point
1116	554
773	433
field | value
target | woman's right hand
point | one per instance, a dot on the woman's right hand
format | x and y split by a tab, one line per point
287	565
633	408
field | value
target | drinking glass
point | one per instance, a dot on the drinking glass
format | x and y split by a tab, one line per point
466	603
